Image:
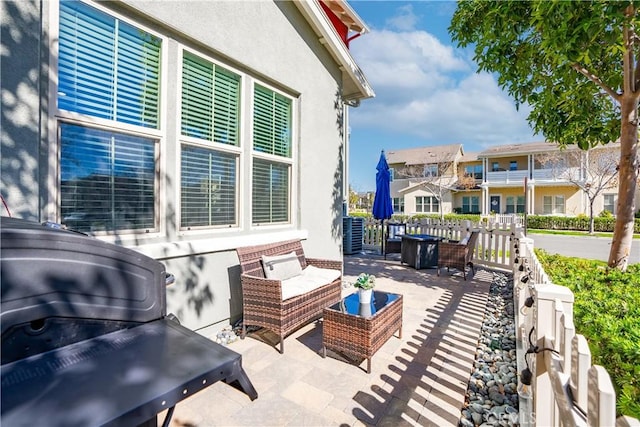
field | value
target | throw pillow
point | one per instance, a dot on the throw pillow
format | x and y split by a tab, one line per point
466	239
281	267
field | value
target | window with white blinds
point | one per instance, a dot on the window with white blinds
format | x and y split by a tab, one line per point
271	182
270	196
210	101
208	187
210	112
107	68
108	180
271	122
109	72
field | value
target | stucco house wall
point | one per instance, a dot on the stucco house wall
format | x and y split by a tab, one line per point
269	43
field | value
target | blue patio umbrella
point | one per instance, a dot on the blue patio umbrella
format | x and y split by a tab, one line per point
382	206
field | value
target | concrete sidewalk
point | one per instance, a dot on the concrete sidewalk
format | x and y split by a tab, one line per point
420	379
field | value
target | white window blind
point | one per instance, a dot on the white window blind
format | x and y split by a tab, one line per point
210	101
270	201
208	187
107	180
107	68
271	122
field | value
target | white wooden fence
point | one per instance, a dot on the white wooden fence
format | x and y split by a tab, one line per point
567	389
493	248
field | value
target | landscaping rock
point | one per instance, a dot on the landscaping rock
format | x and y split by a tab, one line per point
491	395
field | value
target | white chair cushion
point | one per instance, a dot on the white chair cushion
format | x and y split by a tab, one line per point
465	240
281	267
311	278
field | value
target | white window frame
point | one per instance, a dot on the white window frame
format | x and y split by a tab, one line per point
57	116
612	203
431	170
554	205
423	202
237	150
289	161
471	203
399	203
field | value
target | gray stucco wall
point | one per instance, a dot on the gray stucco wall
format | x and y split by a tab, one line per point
268	41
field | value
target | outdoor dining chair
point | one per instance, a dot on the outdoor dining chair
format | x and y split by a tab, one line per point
458	255
393	238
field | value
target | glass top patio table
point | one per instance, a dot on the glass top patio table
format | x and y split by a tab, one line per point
351	304
359	330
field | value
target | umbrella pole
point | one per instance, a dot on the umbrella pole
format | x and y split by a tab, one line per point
382	238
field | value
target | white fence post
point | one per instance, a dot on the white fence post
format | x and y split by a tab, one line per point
545	303
602	398
580	364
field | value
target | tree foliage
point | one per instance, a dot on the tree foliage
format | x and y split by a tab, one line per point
576	65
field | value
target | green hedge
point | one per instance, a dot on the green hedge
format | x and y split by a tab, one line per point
405	218
578	223
607	312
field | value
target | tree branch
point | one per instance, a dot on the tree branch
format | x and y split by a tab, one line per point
588	74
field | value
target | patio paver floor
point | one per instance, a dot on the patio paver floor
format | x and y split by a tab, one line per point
420	379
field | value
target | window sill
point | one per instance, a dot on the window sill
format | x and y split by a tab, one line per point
218	244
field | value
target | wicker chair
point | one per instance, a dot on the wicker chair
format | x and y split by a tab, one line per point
456	255
393	238
262	302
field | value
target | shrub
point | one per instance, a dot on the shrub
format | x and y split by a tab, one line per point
579	223
607	312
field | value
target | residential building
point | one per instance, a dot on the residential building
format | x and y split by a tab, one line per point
558	181
183	132
423	180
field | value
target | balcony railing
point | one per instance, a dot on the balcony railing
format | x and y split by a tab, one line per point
554	175
507	176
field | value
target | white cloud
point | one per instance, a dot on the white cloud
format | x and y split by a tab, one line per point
406	20
400	63
424	89
473	112
427	93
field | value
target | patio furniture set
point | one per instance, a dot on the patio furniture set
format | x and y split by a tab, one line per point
426	251
284	290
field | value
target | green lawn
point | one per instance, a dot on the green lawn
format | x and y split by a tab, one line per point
574	233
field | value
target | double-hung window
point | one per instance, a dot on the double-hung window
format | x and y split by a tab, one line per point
515	204
431	171
470	204
272	157
398	205
108	74
427	204
610	203
210	129
553	205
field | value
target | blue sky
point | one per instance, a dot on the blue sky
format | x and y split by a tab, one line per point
428	92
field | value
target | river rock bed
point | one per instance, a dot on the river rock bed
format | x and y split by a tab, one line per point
492	398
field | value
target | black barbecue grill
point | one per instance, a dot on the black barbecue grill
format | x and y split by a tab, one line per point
86	340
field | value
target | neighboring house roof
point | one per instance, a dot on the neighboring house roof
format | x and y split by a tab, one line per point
469	157
355	86
425	155
525	148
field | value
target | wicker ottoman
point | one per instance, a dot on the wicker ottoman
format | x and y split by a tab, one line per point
360	330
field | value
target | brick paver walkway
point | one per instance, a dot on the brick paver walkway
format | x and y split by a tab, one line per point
420	379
